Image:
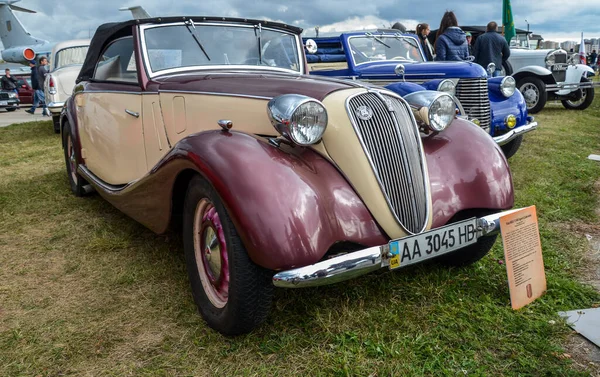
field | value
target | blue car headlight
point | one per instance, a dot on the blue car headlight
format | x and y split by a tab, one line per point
447	86
508	86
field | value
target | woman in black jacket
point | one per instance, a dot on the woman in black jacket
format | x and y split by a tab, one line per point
423	32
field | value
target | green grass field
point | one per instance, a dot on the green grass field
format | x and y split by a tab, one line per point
86	291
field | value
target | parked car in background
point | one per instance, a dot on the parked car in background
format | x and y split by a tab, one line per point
543	75
278	178
65	63
25	90
9	100
397	61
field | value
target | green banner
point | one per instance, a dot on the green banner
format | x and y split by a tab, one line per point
508	23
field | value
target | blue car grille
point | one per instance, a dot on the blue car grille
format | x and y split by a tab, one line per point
393	146
473	95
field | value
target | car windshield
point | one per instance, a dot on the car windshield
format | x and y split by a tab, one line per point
71	55
169	47
374	47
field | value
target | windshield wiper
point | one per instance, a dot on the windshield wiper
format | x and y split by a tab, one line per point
192	32
259	42
370	35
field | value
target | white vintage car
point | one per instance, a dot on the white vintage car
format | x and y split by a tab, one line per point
65	63
546	74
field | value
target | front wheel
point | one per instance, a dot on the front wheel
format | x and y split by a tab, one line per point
534	92
11	109
472	253
512	147
232	294
585	100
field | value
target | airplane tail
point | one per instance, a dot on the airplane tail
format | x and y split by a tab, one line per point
12	32
137	12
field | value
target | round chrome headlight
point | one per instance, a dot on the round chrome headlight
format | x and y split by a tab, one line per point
550	59
508	86
447	86
298	118
441	112
435	109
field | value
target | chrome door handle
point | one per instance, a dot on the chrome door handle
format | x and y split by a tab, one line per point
132	113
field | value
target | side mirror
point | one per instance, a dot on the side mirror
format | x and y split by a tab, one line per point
311	46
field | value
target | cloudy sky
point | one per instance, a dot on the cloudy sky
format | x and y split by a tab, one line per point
554	19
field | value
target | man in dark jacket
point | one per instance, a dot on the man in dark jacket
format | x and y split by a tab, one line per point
38	76
491	47
8	82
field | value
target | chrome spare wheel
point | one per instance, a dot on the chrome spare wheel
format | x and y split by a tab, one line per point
210	250
531	93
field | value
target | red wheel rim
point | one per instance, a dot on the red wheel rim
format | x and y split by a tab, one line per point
210	250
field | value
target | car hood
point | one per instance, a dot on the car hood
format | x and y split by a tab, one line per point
424	71
246	84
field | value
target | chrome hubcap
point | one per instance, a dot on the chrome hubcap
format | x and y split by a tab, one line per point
210	250
531	94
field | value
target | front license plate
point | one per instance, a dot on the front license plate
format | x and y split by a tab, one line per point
427	245
3	103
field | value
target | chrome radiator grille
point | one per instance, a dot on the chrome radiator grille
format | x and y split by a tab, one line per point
392	143
473	95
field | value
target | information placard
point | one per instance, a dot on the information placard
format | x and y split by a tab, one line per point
523	256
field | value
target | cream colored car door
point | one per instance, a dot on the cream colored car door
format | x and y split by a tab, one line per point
109	112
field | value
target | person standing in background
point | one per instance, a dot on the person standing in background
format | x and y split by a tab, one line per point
423	31
451	41
491	47
41	71
469	39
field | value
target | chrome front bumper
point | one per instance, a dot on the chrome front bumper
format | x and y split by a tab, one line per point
361	262
510	135
571	86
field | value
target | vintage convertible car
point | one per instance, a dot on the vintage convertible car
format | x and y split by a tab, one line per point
277	178
546	74
387	57
65	62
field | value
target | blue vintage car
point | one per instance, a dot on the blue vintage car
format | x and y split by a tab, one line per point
396	61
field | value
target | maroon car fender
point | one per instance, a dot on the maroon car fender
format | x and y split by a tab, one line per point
289	204
467	170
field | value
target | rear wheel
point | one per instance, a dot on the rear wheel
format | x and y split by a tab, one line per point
76	181
534	92
512	147
232	294
585	100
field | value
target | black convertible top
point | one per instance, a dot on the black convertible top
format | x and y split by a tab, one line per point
113	30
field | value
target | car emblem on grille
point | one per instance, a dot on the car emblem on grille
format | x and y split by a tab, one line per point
364	112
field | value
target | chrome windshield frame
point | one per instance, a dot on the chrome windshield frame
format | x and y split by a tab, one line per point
152	74
390	36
